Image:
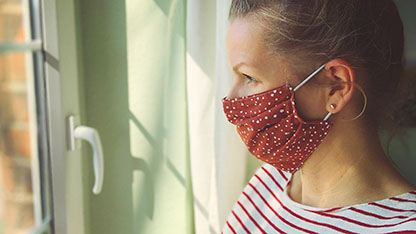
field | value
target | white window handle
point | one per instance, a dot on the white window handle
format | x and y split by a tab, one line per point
91	135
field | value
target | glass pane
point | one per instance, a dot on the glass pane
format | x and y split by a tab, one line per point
16	145
11	21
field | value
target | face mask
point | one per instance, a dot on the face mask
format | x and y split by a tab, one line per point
271	128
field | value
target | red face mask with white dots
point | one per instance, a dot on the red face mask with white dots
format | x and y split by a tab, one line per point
271	128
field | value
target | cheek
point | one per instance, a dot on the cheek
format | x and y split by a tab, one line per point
310	105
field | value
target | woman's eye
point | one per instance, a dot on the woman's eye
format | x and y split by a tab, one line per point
249	78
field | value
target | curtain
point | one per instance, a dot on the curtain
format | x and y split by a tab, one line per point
155	72
217	155
134	80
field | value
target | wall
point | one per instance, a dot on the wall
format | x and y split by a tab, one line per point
403	146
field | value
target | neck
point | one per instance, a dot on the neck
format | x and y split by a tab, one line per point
346	169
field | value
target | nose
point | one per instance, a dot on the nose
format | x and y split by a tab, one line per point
234	91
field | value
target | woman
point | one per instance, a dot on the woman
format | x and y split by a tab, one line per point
313	81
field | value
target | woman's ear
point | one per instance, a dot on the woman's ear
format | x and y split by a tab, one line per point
342	78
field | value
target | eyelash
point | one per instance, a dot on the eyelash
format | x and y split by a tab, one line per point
249	78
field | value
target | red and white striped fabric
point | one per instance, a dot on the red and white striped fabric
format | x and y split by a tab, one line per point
265	207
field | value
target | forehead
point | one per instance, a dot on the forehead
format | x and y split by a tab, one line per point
246	45
245	41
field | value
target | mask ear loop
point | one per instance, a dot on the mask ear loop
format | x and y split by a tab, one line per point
327	116
329	113
309	77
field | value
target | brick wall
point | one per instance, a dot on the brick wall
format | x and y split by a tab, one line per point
16	199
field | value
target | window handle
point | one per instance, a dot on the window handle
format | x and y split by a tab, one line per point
91	136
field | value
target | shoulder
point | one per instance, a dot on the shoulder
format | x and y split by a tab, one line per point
403	205
269	178
389	215
257	207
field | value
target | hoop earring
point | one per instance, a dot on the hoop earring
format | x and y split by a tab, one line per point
365	104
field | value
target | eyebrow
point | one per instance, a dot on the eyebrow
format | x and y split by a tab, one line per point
235	67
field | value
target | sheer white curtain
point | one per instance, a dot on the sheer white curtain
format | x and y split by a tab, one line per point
217	155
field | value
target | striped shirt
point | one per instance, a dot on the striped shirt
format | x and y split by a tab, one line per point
265	207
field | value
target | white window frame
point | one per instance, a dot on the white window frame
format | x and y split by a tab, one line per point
59	35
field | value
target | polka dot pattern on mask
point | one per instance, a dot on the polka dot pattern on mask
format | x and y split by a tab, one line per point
271	128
